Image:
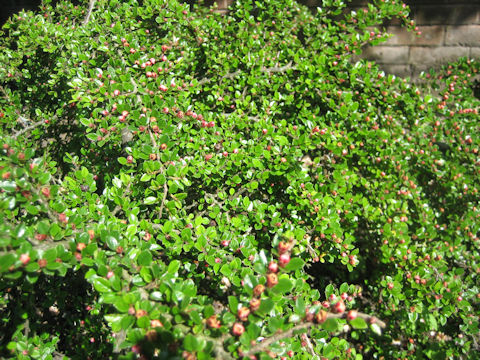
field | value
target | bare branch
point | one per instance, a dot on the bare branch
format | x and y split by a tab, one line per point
162	205
27	128
264	345
238	72
89	12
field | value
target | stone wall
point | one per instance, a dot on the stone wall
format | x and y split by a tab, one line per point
449	29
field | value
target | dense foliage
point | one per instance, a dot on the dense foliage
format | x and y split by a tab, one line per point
178	183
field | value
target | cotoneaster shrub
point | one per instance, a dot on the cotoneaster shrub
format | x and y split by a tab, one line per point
178	183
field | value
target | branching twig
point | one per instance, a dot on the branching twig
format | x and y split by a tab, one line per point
280	68
238	72
218	347
162	205
264	345
89	12
27	128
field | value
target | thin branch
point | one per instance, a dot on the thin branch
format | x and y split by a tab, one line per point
238	72
264	345
218	349
162	205
280	69
89	12
310	348
27	128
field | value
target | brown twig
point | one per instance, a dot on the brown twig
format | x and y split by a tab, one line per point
89	12
27	128
162	205
238	72
263	346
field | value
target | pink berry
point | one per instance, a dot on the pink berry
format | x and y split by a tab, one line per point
25	259
339	307
238	329
284	259
273	266
352	314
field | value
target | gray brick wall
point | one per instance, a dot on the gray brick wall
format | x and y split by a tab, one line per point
449	29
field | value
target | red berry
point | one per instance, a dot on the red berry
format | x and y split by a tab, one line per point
339	307
258	290
283	247
272	280
273	266
46	192
238	329
213	322
284	260
63	218
155	323
255	304
42	263
243	313
25	259
352	314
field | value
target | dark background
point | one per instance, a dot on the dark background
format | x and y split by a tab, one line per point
10	7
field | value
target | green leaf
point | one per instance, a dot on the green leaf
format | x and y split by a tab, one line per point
146	274
284	285
358	323
112	242
167	227
191	343
294	318
121	305
294	264
6	261
376	329
300	306
156	295
150	200
266	305
32	209
145	258
233	304
330	325
226	270
173	266
101	284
